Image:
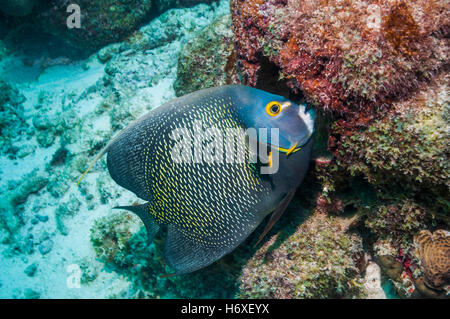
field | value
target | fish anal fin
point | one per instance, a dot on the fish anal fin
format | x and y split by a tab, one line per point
185	254
276	215
143	212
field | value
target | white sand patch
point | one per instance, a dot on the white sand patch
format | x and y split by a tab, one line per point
372	281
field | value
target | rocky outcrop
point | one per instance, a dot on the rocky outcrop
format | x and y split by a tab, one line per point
17	8
101	22
208	59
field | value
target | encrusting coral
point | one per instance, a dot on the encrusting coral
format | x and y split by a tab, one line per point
409	144
339	51
318	260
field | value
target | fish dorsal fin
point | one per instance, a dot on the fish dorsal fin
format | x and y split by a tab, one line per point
143	212
276	215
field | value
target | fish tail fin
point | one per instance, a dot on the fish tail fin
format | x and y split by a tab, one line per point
99	155
144	214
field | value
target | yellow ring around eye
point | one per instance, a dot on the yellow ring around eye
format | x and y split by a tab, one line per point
269	108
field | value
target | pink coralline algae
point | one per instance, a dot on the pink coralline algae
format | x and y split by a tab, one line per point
343	55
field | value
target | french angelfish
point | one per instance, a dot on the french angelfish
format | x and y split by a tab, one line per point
209	208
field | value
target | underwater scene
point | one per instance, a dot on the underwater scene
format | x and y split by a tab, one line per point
224	149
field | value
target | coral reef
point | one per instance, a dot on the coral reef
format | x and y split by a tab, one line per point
377	74
53	123
389	216
377	190
338	52
208	59
120	242
317	255
316	261
360	176
409	144
101	22
316	252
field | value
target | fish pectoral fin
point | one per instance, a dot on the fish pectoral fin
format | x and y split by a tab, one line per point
142	211
276	215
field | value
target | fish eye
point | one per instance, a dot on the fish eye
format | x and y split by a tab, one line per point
273	108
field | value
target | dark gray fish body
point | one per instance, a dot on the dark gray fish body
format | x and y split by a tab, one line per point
208	208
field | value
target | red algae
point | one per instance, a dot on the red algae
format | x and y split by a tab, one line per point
343	55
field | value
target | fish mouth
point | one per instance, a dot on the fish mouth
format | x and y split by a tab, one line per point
290	150
295	147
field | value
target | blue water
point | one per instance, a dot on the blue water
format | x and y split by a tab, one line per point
52	125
